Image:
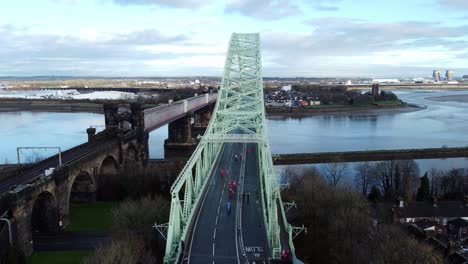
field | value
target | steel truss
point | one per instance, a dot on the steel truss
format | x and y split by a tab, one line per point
239	107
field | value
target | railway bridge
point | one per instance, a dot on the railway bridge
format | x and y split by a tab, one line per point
36	197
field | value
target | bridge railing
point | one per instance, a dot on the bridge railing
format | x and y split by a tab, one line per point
67	155
158	116
186	193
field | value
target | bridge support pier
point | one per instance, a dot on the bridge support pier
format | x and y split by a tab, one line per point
111	116
180	143
202	120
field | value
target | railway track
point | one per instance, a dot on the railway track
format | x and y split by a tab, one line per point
35	171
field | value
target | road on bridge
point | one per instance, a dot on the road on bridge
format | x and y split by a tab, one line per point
238	236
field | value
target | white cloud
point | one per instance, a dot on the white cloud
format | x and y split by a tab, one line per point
457	4
264	9
168	3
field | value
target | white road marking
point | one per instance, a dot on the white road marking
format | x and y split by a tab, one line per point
238	225
213	248
214	234
217	219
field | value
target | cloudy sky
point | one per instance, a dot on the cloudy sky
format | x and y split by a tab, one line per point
309	38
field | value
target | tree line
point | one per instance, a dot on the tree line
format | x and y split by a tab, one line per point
340	228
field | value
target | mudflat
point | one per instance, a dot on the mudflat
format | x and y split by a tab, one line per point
460	98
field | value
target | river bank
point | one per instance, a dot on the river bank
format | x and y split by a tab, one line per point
375	109
44	105
87	106
10	105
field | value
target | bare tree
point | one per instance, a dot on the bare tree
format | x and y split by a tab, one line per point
409	170
34	157
435	180
362	178
384	172
124	248
334	172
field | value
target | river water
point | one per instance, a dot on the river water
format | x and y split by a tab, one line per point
439	124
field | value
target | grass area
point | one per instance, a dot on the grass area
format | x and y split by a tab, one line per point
95	216
58	257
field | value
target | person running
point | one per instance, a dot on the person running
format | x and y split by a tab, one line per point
229	207
222	172
226	172
283	255
235	156
234	185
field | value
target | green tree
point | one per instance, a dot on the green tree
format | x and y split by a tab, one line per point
424	190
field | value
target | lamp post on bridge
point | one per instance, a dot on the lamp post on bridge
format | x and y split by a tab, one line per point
58	148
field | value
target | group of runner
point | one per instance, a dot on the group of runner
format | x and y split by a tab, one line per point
232	186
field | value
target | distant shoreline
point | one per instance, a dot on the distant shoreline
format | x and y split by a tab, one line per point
403	108
12	105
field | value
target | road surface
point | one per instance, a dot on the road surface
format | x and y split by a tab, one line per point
239	236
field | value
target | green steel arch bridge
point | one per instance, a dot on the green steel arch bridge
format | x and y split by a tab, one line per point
201	228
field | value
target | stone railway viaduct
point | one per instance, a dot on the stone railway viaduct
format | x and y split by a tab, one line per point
38	201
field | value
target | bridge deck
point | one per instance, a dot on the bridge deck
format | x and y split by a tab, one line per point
238	236
158	116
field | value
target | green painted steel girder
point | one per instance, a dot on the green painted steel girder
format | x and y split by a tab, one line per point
239	106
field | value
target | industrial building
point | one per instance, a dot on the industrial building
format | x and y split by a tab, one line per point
449	75
436	75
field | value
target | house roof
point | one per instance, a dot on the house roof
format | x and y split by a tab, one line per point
425	223
458	223
426	209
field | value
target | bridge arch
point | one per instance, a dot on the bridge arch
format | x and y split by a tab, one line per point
109	166
109	188
83	188
44	217
130	157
